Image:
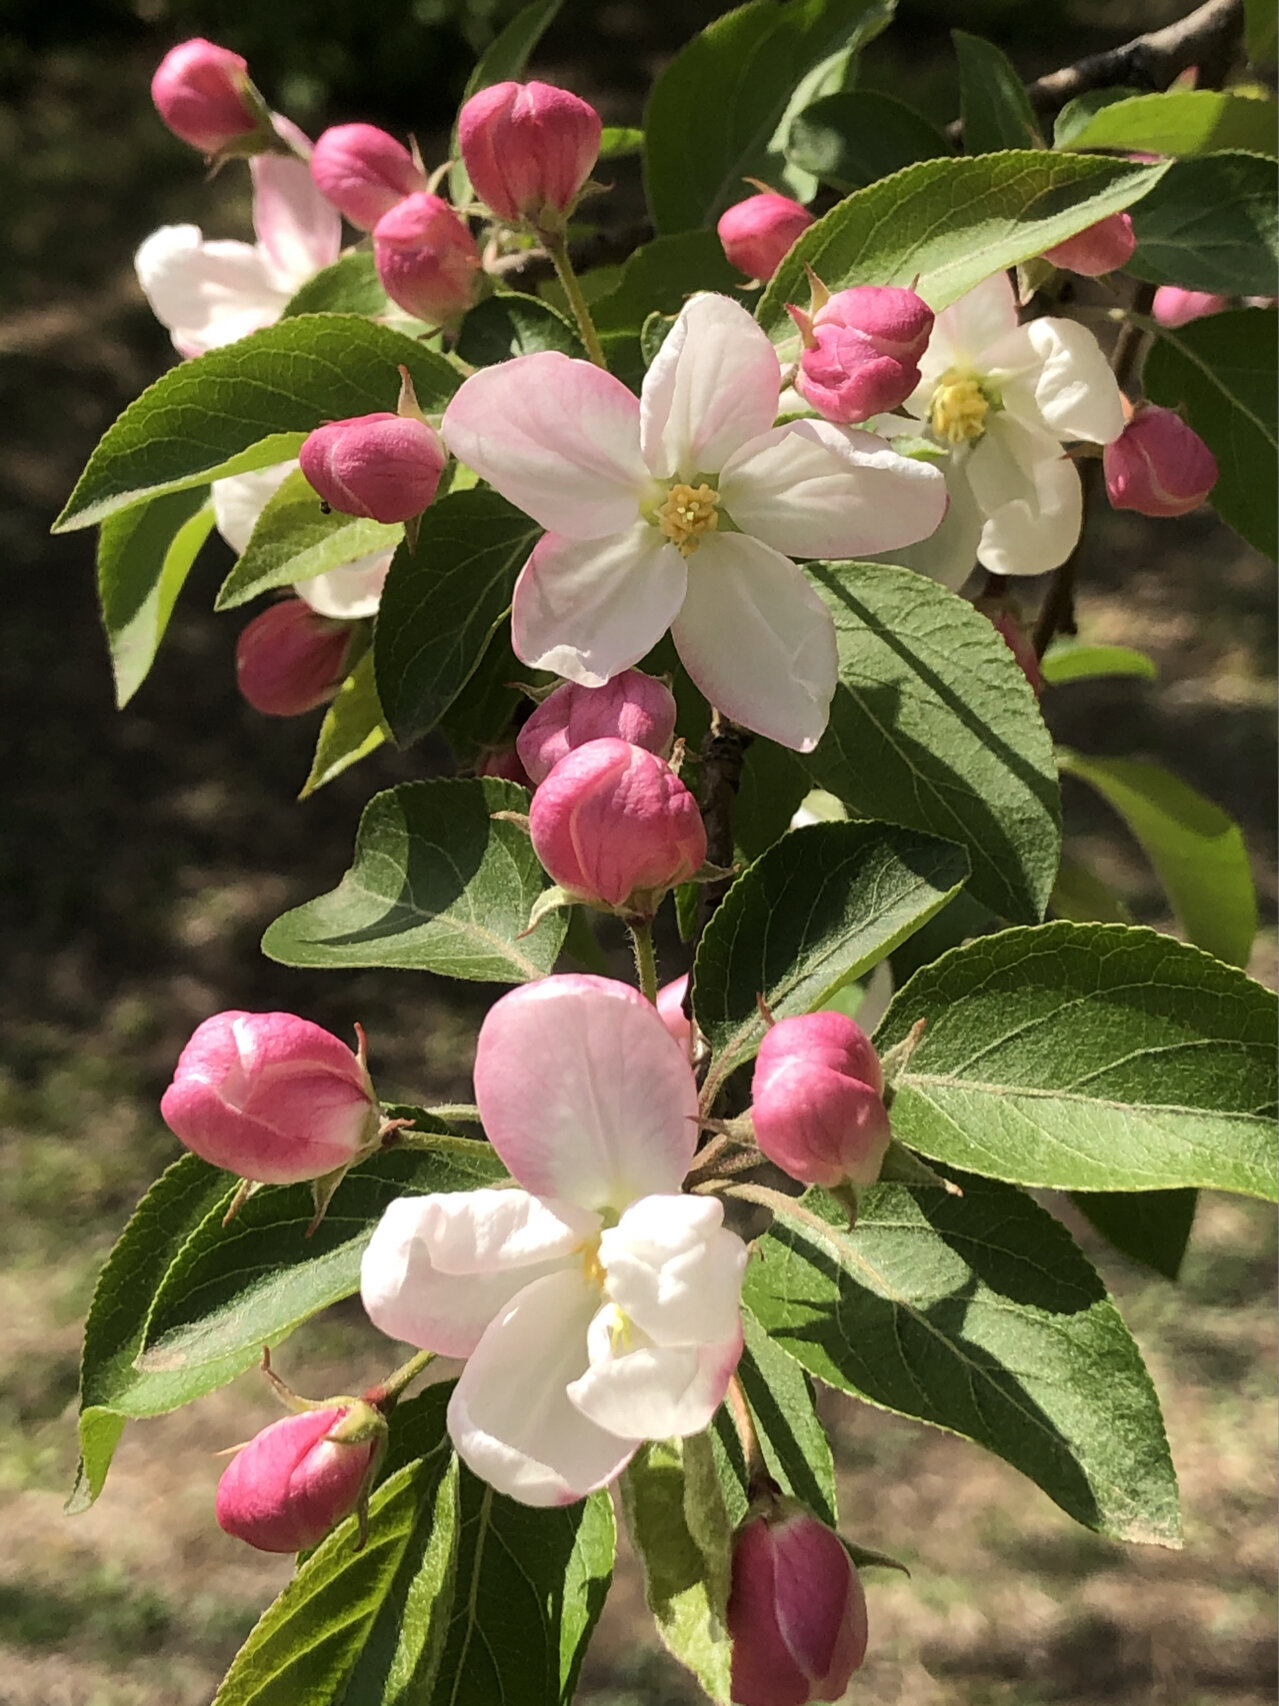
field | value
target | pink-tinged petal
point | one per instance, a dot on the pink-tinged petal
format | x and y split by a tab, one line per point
964	332
675	1271
757	640
657	1392
239	500
207	294
590	608
557	437
813	489
299	232
584	1093
1038	530
348	593
439	1268
713	385
510	1417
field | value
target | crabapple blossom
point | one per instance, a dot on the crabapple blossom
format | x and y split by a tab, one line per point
383	467
632	707
1158	465
818	1106
364	172
757	233
1173	306
528	148
861	351
200	91
426	258
670	1010
296	1479
681	509
289	659
1101	248
596	1306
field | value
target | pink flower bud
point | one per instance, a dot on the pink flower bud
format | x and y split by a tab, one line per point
364	172
528	148
1174	306
271	1097
863	351
289	660
615	824
632	707
757	232
426	258
1101	248
504	761
1020	645
1158	465
291	1483
199	90
670	1010
384	467
818	1108
796	1610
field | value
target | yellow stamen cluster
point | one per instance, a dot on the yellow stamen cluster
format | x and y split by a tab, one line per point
959	408
592	1267
688	512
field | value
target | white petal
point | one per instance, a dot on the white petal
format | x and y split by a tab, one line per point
1076	393
589	608
964	332
674	1270
207	294
712	386
1001	465
510	1416
557	437
949	554
656	1392
350	592
239	500
812	489
1039	530
298	231
757	640
438	1268
584	1093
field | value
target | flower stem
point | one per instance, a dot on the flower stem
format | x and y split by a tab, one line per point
557	249
387	1391
645	959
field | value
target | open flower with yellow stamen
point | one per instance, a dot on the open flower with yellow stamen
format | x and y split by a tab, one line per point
682	508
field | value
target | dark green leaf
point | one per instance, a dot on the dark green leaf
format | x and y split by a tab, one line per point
659	276
352	728
1182	121
856	137
502	327
144	556
1076	660
1080	896
437	885
294	539
484	714
978	1314
1261	29
350	286
1210	224
1089	1057
994	108
1152	1227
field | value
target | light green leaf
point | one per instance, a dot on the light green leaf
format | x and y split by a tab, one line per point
833	75
249	405
1076	660
1223	371
145	554
351	730
443	603
714	112
934	726
1197	849
1210	224
502	327
1077	114
437	885
294	540
822	905
350	286
618	141
1080	896
993	104
1150	1227
853	139
1182	121
980	1315
1089	1057
954	223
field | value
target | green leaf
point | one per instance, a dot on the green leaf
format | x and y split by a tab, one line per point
351	730
442	604
502	327
437	885
249	405
1151	1227
502	61
483	715
954	222
144	556
1076	660
822	905
294	540
715	110
1210	224
977	1314
350	286
362	1627
618	141
530	1587
660	275
1080	896
1089	1057
1182	121
854	138
934	726
1197	849
994	108
1222	370
679	1528
1261	30
1076	115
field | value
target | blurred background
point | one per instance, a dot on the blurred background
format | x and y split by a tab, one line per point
143	852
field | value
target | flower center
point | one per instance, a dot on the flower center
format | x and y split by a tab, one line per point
688	512
592	1266
959	408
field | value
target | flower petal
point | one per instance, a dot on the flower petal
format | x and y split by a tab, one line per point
584	1093
712	386
1038	530
239	500
757	640
1076	393
963	333
207	294
675	1270
949	554
350	592
654	1391
439	1268
589	608
299	232
813	489
510	1417
557	437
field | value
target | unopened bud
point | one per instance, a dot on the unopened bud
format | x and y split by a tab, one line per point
615	826
200	90
528	148
756	233
1101	248
796	1610
632	707
1173	306
383	467
504	762
862	351
427	259
1020	644
818	1107
670	1010
364	172
296	1479
288	660
272	1098
1158	465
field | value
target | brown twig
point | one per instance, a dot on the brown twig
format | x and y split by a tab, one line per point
723	753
